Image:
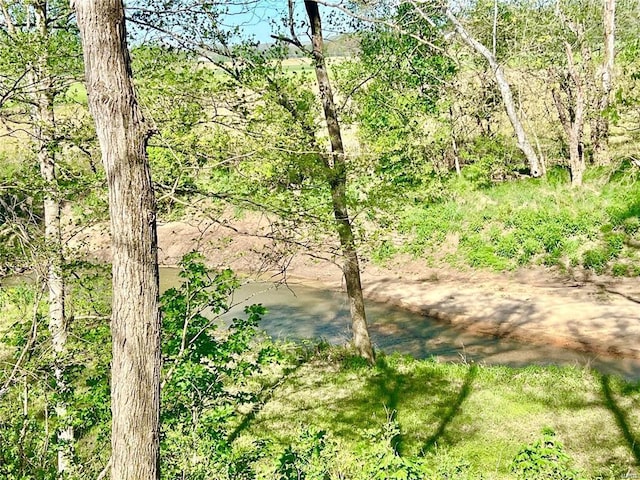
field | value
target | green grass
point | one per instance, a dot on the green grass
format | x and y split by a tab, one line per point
519	223
451	415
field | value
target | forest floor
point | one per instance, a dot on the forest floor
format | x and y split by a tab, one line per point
576	310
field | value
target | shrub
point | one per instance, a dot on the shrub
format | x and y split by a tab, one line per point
631	225
383	461
544	459
615	244
207	372
310	458
595	259
490	159
620	270
508	246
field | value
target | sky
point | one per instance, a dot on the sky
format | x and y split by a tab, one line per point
256	19
261	18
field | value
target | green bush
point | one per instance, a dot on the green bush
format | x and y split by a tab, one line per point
595	259
615	244
383	460
310	458
620	270
490	159
631	225
508	246
206	372
545	459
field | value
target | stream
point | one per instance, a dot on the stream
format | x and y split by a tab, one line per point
296	312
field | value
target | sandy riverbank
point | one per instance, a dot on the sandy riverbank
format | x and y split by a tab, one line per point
591	314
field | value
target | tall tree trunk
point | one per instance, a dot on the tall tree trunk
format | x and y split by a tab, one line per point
42	114
45	119
600	125
505	91
135	322
55	279
336	165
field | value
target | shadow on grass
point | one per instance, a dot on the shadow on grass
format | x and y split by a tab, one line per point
382	395
265	395
453	411
633	441
387	385
386	388
424	399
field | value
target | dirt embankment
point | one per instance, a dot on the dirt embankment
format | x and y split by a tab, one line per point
537	305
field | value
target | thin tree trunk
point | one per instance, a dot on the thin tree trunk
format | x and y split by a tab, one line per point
505	91
135	322
571	115
600	126
55	279
41	93
336	165
53	236
454	143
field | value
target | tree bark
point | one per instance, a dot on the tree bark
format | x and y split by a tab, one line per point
135	323
55	260
571	114
336	166
45	121
600	125
505	91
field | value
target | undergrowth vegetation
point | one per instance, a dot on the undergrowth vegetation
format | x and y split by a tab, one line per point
428	167
529	222
236	406
335	418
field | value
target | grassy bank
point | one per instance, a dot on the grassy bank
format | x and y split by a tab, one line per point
513	224
456	421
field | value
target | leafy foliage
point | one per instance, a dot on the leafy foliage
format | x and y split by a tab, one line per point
207	371
490	160
309	459
396	84
210	370
384	461
544	459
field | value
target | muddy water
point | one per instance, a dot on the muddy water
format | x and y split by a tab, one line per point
297	312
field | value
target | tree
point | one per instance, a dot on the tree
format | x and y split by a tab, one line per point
535	165
35	79
600	125
396	90
337	177
570	103
135	321
254	77
572	80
